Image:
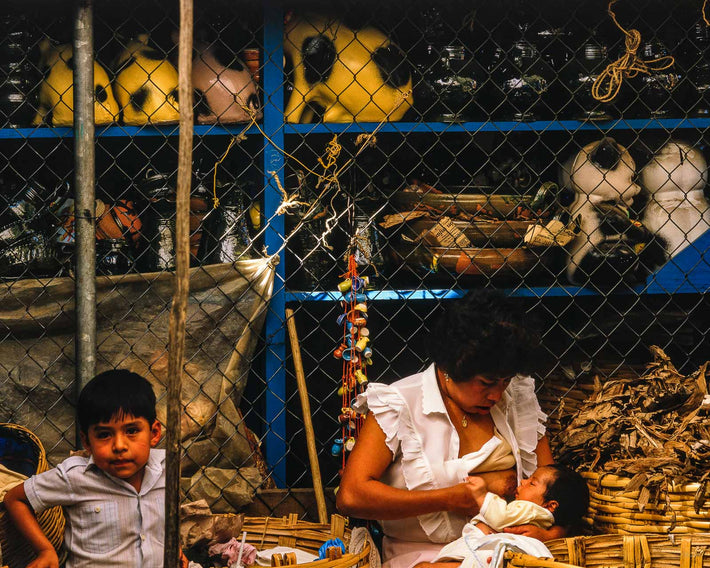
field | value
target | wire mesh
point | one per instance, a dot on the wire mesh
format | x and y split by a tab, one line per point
483	129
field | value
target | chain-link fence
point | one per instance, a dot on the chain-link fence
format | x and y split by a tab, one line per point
447	146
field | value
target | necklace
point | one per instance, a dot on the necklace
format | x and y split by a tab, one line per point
445	391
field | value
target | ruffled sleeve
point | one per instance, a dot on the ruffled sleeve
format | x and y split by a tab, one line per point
387	406
527	420
405	439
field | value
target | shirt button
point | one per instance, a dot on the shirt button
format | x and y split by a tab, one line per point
97	509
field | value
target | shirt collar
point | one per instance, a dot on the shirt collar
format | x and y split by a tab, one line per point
153	469
432	400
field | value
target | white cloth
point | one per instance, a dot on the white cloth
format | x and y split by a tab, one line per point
497	514
425	445
487	551
108	523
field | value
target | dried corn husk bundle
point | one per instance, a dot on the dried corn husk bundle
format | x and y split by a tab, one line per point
563	392
654	429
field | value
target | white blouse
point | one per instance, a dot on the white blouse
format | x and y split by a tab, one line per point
425	444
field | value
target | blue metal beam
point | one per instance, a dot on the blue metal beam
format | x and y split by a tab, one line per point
275	368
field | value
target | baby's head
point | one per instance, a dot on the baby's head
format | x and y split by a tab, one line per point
562	491
117	419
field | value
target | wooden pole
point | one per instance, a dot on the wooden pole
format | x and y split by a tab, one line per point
178	310
307	422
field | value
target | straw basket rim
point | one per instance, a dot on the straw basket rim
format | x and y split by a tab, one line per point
684	507
51	520
629	551
305	535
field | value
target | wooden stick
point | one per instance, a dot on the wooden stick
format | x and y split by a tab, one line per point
178	310
307	422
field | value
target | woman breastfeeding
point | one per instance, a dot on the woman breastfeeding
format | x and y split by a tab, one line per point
473	410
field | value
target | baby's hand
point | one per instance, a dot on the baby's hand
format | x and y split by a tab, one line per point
479	485
45	559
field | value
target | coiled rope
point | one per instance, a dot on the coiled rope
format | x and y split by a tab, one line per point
607	85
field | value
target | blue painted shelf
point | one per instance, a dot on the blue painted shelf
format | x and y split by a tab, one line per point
571	126
688	272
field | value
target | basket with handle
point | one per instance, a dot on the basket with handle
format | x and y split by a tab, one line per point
269	532
22	451
622	551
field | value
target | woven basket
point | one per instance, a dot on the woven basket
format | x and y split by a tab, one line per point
622	551
268	532
21	450
613	510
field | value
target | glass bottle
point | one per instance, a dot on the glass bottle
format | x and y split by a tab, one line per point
113	256
590	61
18	75
553	44
225	235
656	91
452	82
523	78
448	86
157	249
697	65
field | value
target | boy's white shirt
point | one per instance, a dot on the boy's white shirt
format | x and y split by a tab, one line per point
109	523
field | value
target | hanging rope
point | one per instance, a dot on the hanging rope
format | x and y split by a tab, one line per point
704	12
607	85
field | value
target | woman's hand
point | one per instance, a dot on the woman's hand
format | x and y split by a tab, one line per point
45	559
538	533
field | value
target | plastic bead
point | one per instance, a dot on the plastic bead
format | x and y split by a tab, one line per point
360	322
349	444
364	332
360	308
337	448
338	353
367	353
362	343
345	285
360	377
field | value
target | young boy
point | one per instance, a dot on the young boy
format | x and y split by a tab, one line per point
552	495
114	500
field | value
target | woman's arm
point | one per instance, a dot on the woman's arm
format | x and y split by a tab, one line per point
23	516
544	452
363	495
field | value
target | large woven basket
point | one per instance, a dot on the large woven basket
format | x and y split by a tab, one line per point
21	450
622	551
612	509
268	532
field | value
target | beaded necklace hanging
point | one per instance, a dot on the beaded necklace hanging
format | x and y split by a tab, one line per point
355	353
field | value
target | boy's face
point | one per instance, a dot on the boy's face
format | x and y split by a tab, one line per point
121	447
534	487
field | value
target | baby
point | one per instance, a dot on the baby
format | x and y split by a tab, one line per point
552	495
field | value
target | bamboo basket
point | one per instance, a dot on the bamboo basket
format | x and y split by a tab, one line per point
16	551
268	532
614	510
622	551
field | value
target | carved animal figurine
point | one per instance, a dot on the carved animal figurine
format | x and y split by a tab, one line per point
350	74
56	95
146	85
608	247
677	211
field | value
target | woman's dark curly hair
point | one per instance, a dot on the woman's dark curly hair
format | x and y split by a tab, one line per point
484	333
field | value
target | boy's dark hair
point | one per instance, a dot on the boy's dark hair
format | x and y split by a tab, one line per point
570	491
484	333
112	393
